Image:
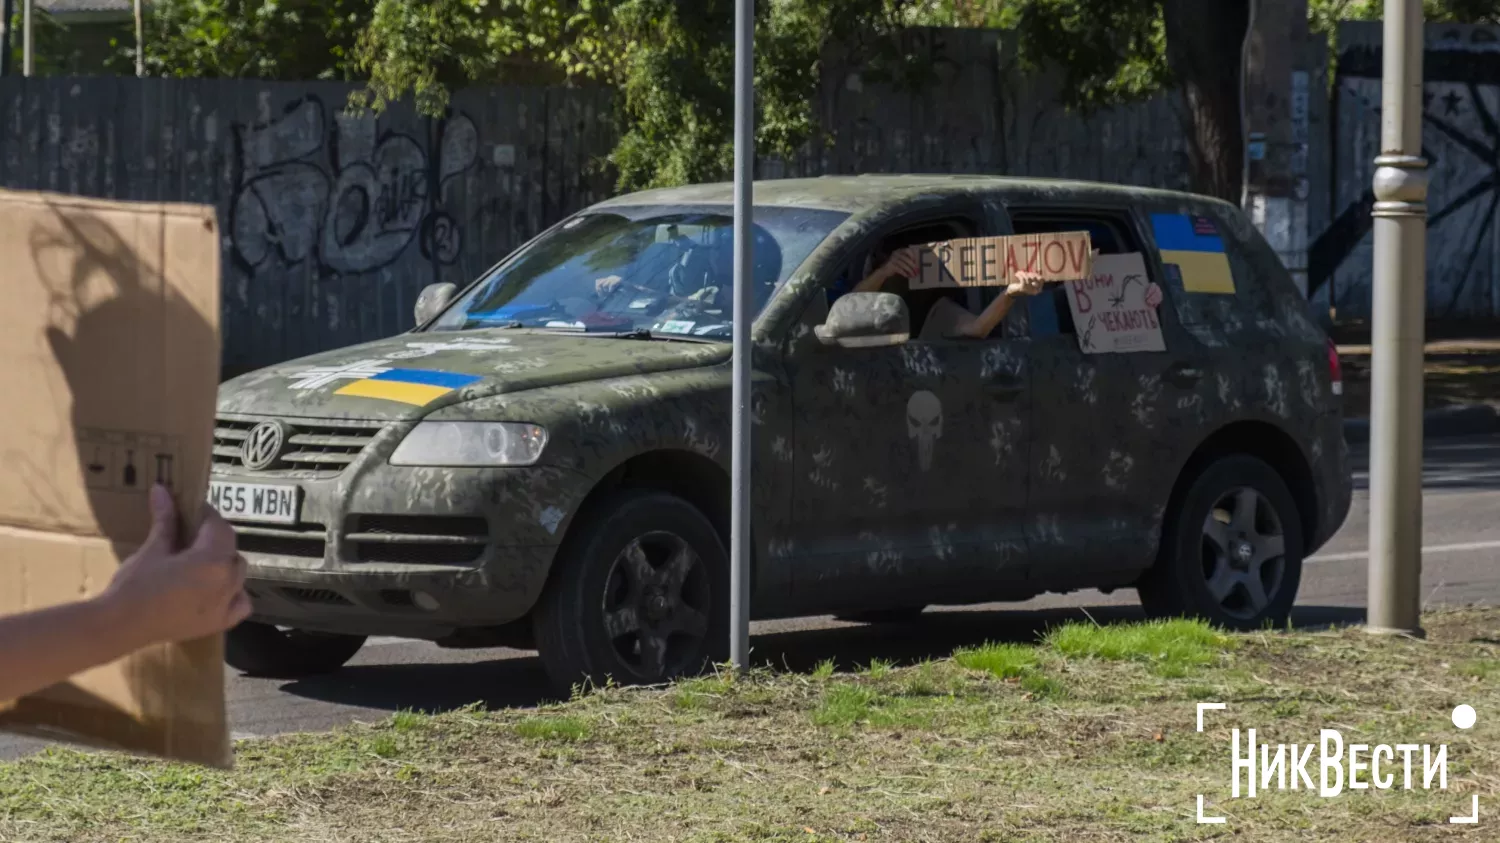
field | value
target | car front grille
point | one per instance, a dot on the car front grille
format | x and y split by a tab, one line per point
320	596
320	448
303	541
416	539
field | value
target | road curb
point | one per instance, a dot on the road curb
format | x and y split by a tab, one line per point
1468	420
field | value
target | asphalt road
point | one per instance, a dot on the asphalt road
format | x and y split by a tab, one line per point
1461	565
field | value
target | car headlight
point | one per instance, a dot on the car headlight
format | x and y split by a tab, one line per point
461	444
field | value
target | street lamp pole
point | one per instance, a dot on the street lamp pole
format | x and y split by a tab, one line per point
744	169
1400	273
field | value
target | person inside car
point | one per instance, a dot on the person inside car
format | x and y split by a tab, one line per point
701	276
946	317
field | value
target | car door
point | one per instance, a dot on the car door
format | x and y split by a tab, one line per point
910	460
1099	422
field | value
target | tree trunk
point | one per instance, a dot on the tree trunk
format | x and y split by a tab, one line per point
1204	43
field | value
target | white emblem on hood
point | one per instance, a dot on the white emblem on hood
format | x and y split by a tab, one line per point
325	375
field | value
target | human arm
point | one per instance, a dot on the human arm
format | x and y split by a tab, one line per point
979	327
902	263
158	594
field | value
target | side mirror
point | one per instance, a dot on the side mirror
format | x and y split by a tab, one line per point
866	320
433	299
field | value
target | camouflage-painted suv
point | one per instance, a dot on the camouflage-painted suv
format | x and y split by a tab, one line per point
544	460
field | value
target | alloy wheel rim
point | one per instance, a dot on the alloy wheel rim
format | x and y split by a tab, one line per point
656	605
1243	552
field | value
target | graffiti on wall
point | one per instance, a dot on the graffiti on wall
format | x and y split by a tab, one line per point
1461	142
338	193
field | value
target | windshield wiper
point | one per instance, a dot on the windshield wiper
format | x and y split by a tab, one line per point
648	334
470	324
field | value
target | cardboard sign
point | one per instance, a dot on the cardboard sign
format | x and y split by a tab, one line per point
1111	313
111	346
994	261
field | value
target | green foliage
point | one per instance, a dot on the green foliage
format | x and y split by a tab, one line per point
1324	15
1110	51
49	44
672	63
262	39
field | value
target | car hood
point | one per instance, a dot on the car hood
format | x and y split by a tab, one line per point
409	376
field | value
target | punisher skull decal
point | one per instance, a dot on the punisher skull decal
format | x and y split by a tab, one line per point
924	424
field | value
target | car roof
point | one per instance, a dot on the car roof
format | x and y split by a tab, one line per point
865	193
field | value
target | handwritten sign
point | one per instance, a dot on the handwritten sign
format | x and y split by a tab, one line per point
994	261
1114	310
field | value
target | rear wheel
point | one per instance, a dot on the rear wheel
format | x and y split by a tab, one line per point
260	649
905	614
639	595
1232	551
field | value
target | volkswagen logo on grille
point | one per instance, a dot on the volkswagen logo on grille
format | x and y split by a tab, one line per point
263	446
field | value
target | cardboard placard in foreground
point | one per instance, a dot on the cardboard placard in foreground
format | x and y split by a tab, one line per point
110	340
1110	311
994	261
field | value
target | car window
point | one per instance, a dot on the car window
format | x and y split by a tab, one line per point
668	269
918	302
1111	233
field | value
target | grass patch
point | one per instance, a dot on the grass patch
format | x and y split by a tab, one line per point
408	721
1073	738
1477	668
1006	661
553	729
1171	648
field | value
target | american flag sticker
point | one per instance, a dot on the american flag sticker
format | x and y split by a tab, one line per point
1204	227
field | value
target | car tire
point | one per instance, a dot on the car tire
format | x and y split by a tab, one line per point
1231	550
639	594
904	614
259	649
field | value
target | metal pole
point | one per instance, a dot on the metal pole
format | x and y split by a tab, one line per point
744	164
1400	284
26	39
7	11
140	42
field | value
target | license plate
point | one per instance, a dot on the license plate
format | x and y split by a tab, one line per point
261	502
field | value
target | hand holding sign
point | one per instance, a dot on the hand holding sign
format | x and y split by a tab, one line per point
1153	296
903	262
1026	284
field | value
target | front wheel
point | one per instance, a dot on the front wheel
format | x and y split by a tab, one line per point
1231	551
260	649
640	595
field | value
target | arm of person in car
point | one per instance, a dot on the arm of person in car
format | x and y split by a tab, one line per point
157	595
979	327
902	262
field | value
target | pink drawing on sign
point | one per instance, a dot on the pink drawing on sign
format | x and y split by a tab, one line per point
1153	296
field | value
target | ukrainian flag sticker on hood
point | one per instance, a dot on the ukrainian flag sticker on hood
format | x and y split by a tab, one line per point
418	387
1194	244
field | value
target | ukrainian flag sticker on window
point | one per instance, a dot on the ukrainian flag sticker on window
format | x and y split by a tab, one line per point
1194	244
419	387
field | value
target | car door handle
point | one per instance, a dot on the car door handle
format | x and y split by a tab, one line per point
1184	375
1005	388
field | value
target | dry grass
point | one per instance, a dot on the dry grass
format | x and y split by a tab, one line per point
1086	736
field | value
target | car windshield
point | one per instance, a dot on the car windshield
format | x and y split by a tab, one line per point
668	270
